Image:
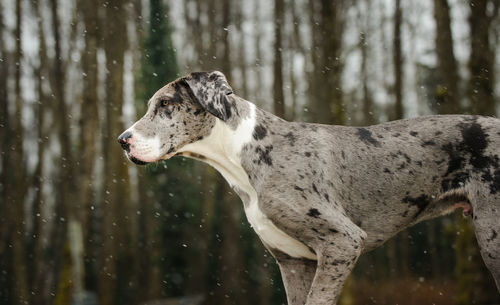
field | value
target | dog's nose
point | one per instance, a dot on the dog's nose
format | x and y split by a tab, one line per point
123	140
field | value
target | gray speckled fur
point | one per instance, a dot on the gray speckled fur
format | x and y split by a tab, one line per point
343	191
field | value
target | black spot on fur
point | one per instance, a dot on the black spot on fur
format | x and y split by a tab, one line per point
259	132
298	188
291	138
314	213
326	197
197	112
315	189
454	181
428	143
469	155
333	230
177	98
475	141
494	180
366	136
421	202
455	158
263	153
413	133
308	154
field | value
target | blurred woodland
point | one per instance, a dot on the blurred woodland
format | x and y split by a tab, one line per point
79	224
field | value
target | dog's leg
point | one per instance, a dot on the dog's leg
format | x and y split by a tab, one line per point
297	275
338	251
486	211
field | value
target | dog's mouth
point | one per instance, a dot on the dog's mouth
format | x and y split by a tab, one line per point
141	162
136	161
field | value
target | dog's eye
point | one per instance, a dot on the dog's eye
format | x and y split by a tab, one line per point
164	102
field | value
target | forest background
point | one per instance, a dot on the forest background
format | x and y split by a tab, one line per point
79	224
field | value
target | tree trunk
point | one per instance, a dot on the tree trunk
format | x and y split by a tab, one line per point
18	237
225	61
89	123
117	265
447	95
325	85
398	62
367	105
278	96
7	202
35	244
55	250
258	53
482	58
295	43
241	63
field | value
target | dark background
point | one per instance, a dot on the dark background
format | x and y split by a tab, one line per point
79	224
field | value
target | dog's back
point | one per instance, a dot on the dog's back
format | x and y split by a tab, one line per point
410	170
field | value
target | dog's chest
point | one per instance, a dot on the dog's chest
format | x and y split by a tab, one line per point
271	235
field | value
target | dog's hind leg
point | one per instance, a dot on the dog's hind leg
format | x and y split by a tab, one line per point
297	275
486	220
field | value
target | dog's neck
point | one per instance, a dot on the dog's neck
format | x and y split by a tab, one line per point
222	147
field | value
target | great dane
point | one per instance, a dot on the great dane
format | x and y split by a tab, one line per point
318	195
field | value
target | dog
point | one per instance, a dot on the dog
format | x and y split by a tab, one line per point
319	196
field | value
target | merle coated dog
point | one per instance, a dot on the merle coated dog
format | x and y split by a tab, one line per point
317	195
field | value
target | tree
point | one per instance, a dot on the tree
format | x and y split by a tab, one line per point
398	62
35	246
279	99
117	230
447	95
367	105
89	123
16	199
58	235
325	84
482	56
6	177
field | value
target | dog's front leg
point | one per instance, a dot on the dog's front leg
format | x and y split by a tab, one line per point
337	254
297	275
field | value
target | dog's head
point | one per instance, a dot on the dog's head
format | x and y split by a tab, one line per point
182	112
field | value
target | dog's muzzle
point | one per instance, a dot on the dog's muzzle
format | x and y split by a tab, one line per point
123	139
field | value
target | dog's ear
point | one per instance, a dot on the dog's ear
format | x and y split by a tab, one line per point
211	90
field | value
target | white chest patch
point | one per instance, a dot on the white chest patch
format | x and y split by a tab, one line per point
222	148
274	237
